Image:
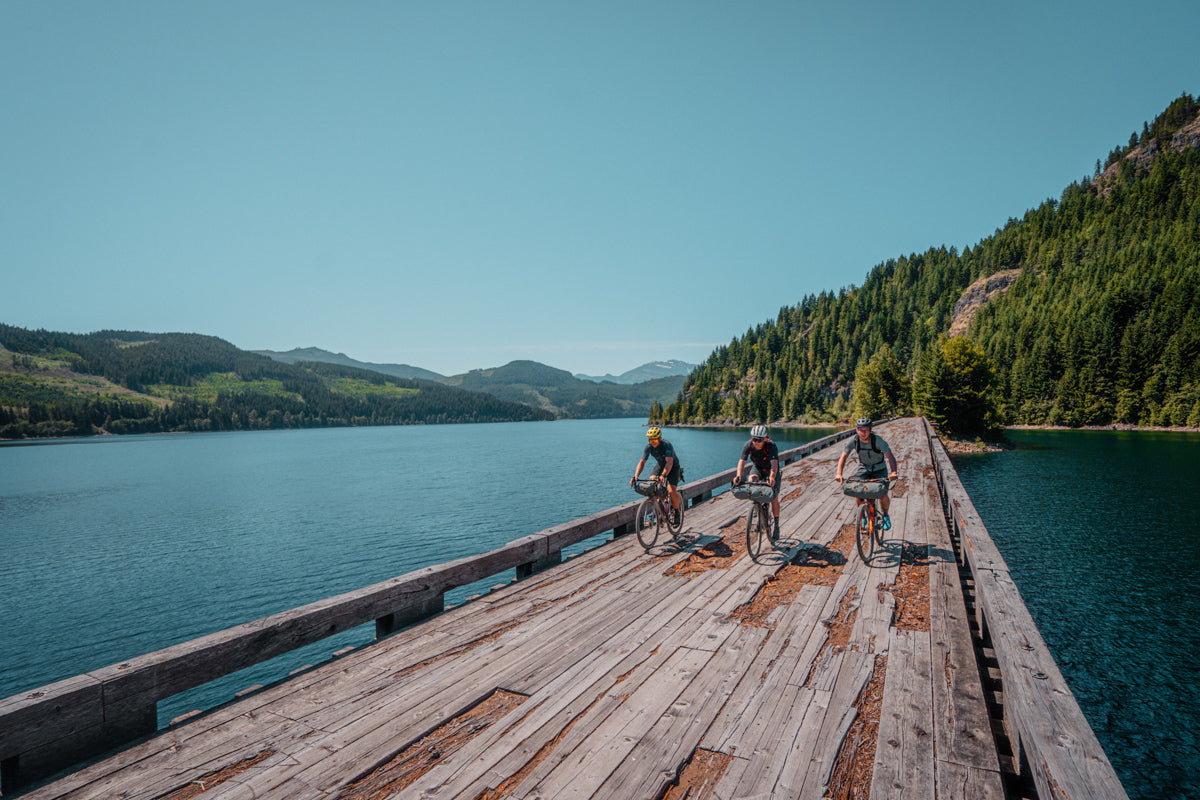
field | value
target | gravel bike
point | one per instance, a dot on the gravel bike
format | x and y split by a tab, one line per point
868	533
655	513
760	525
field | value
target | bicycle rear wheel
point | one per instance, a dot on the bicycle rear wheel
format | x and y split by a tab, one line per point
675	519
648	523
757	538
865	534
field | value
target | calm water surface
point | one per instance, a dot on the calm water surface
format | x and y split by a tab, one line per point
1099	531
117	546
114	547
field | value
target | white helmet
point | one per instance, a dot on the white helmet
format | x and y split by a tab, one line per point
758	432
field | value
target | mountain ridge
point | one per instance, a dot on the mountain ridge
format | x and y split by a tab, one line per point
644	372
297	354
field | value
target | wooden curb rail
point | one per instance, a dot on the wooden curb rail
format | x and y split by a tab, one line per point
1042	719
49	729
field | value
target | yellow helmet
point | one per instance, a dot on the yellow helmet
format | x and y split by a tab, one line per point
654	433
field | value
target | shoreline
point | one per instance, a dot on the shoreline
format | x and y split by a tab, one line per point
1114	426
956	446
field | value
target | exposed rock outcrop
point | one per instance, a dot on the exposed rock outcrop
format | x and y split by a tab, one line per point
977	295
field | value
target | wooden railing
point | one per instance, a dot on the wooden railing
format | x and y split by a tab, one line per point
51	728
1042	719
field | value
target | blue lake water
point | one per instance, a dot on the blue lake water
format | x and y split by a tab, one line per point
118	546
1099	532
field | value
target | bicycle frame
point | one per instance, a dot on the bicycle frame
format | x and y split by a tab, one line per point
654	513
867	536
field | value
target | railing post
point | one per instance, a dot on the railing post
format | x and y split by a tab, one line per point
529	568
418	608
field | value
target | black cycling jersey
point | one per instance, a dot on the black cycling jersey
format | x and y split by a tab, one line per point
761	457
661	453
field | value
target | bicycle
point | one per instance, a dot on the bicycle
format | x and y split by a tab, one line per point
655	512
868	533
760	525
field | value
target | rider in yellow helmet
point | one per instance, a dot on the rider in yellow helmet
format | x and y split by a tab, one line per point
667	470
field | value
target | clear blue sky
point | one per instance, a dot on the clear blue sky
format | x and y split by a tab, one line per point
592	185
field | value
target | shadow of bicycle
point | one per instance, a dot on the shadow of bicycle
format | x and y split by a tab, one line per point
687	542
903	552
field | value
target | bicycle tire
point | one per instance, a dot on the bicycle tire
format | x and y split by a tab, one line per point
864	535
756	530
647	523
675	527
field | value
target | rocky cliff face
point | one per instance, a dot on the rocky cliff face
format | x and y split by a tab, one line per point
1143	155
977	295
1187	136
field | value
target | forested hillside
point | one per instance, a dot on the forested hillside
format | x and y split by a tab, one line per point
64	384
1093	317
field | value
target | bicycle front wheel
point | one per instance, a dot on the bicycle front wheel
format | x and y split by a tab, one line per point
647	523
865	533
757	538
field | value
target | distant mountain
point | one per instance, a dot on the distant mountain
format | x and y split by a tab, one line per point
646	372
318	355
564	395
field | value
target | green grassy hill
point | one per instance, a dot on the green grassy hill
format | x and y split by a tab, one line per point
66	384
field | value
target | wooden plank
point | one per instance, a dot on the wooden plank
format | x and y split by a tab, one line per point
659	755
511	744
964	734
904	756
580	644
809	762
783	656
764	764
593	760
959	782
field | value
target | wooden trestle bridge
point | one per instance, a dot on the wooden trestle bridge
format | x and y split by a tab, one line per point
689	671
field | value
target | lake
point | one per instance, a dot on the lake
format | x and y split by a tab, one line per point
117	546
1099	532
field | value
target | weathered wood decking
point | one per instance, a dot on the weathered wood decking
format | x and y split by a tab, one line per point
616	673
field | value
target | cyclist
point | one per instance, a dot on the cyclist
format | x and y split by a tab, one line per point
667	470
764	458
872	452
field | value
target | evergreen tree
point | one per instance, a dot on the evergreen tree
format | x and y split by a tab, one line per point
953	387
882	387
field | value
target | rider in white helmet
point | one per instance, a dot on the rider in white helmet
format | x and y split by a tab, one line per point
764	458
